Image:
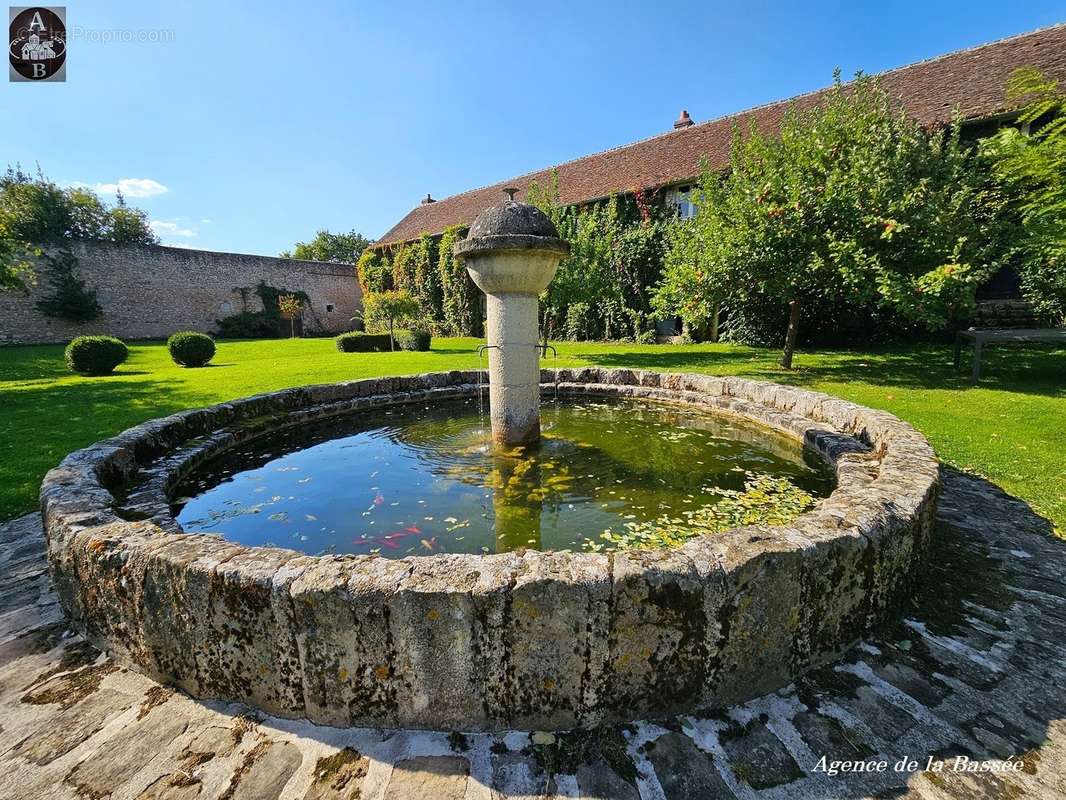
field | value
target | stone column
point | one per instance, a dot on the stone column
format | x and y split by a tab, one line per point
514	367
512	253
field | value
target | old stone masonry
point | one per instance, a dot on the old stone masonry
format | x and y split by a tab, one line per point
976	672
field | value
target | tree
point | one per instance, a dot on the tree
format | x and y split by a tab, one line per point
35	212
291	307
70	299
1031	162
340	248
388	308
852	202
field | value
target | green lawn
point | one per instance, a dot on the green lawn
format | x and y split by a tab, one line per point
1012	429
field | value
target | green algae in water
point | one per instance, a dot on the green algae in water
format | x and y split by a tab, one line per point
426	479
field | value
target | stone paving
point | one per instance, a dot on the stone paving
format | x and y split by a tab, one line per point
976	669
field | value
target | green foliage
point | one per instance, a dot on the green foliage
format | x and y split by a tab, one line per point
35	211
580	323
69	299
852	204
1032	166
460	298
95	355
258	324
359	342
414	270
383	310
766	500
616	255
413	340
374	271
247	325
340	248
646	337
191	349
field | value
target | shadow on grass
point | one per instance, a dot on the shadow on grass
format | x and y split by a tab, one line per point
60	418
1034	370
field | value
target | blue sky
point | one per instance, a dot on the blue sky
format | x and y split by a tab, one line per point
246	126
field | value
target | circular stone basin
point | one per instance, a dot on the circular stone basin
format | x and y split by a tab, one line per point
520	639
425	478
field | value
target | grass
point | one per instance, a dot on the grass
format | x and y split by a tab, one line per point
1011	429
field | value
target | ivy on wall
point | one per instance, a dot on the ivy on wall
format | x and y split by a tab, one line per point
258	324
460	298
600	292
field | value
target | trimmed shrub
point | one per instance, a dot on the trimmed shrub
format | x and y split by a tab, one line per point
358	342
248	325
95	355
413	340
191	349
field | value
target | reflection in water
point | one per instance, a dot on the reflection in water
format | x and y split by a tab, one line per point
418	480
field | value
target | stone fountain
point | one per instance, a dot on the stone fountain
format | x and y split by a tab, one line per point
512	252
471	640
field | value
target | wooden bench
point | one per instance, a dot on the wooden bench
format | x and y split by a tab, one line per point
979	338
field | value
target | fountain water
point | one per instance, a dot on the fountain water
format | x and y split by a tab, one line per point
512	252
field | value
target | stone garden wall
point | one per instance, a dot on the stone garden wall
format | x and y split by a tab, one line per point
535	640
152	291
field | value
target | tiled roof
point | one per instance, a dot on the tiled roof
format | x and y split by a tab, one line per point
971	80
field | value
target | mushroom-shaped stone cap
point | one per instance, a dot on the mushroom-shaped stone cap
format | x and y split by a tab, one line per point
511	226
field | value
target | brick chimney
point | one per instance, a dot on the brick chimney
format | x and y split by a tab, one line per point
427	199
683	121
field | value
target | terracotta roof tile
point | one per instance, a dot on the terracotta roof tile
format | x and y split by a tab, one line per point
971	80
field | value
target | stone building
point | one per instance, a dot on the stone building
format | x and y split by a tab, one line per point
150	291
973	82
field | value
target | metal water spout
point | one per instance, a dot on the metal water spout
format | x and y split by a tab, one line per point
512	252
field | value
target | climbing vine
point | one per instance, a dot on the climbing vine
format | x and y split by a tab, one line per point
460	299
258	324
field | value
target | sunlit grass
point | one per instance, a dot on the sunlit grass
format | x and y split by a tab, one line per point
1011	429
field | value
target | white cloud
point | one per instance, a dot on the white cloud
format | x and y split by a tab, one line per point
133	187
163	228
207	221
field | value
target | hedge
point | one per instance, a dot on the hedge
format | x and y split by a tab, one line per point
413	340
95	355
359	342
191	349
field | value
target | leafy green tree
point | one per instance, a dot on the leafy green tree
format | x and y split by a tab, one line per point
128	225
388	308
1031	162
850	203
340	248
35	213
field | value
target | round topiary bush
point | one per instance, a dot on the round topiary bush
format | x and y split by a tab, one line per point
191	349
95	355
413	340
